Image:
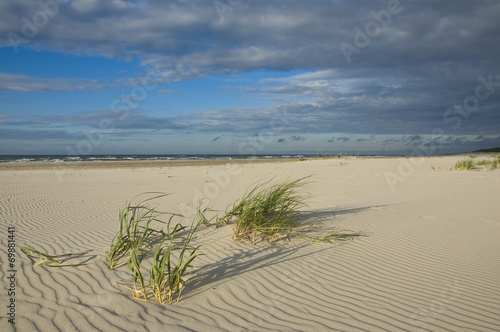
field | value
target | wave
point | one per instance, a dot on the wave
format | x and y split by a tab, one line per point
61	158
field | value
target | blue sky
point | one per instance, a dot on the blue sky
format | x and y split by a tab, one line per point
241	76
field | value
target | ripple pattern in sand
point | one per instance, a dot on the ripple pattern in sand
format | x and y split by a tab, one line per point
426	272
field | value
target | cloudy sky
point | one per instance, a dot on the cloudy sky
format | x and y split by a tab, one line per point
249	76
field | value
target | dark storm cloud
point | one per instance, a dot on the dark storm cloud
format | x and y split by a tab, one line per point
292	139
423	39
37	134
336	139
362	139
214	121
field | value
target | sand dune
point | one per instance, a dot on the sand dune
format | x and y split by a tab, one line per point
427	260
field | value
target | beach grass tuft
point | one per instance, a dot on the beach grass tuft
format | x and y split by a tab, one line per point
464	165
135	229
170	260
469	164
169	252
491	164
134	266
267	209
165	275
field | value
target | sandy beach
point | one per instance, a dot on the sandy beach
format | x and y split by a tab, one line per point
428	257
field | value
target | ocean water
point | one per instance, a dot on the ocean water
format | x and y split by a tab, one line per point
65	158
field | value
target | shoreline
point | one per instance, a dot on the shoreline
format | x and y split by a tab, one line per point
134	163
120	164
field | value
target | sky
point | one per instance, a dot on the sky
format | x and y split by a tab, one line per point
81	77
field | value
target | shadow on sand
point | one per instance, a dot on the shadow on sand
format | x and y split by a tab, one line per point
247	257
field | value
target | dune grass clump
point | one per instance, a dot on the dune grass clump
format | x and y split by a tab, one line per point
268	209
135	230
491	164
166	275
464	165
134	266
168	251
169	262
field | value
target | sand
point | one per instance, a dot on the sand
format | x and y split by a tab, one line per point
428	258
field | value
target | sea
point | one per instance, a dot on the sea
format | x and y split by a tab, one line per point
139	157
